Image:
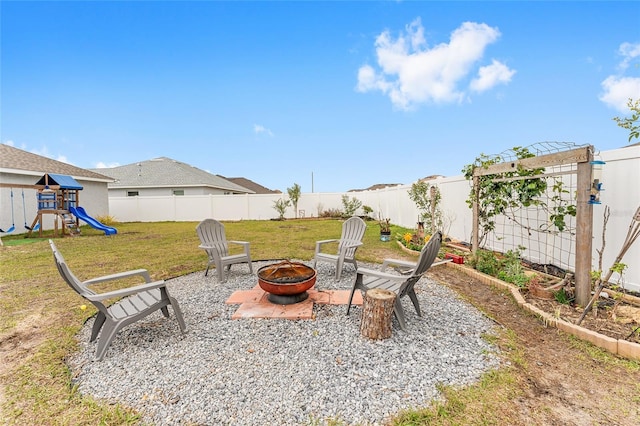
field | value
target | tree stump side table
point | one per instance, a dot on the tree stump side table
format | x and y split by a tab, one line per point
377	310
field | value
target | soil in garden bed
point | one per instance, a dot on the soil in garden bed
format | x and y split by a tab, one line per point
611	318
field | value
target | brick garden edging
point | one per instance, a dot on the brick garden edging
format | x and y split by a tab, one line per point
623	348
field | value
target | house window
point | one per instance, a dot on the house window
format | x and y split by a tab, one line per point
132	193
178	192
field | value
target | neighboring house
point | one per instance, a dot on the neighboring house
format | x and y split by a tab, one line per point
22	168
376	187
249	184
163	177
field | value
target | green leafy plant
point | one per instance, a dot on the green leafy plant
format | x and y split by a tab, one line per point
294	195
504	193
486	262
427	199
367	211
562	297
413	241
631	123
561	207
350	205
385	224
281	207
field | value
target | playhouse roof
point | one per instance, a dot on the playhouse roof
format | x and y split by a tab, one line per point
64	181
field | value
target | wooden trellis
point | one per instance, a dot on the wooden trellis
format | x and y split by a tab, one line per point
581	157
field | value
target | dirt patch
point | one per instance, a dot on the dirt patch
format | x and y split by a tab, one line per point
560	383
18	345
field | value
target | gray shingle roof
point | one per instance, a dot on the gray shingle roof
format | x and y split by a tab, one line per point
12	158
249	184
167	172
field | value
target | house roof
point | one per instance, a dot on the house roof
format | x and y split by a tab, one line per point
249	184
14	160
166	172
375	187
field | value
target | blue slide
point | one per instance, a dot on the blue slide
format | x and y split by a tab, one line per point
80	213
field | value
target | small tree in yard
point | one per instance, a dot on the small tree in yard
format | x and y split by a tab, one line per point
631	123
294	195
350	205
281	207
427	198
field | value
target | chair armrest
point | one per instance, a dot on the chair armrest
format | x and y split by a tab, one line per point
440	262
402	266
142	272
351	243
244	244
321	242
126	291
209	248
379	274
326	241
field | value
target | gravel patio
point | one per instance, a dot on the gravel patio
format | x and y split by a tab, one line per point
266	371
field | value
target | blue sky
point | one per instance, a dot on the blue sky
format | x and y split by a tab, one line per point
351	93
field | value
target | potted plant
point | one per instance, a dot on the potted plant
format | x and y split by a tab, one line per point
385	229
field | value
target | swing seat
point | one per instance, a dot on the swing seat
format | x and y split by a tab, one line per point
8	231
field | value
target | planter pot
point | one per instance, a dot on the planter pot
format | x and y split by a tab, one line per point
385	236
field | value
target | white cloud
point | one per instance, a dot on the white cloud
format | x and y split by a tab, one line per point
619	88
490	76
101	165
628	51
10	143
258	129
412	73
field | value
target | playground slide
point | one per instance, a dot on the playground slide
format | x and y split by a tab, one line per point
80	213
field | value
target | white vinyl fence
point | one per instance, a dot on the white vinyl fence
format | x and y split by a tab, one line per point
621	180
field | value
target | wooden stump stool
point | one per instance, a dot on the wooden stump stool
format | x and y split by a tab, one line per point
377	310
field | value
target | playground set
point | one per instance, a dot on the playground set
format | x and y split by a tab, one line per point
57	195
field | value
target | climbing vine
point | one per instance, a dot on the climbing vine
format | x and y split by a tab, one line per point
504	193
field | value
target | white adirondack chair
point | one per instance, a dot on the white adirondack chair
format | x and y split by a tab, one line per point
134	304
402	284
213	241
351	238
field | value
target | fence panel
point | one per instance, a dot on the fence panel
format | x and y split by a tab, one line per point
621	178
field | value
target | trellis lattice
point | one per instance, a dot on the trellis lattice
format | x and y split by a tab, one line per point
544	232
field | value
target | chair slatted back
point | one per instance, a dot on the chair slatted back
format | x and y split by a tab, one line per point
67	274
212	233
427	255
352	230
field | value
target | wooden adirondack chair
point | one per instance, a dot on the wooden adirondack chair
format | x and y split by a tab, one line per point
136	302
403	284
351	238
213	241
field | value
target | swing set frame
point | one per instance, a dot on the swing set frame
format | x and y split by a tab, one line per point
36	225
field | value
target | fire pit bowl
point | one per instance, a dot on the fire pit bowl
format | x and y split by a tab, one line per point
286	282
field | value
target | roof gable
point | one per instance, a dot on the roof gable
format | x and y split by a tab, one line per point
167	172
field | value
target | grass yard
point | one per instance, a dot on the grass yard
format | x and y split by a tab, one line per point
40	316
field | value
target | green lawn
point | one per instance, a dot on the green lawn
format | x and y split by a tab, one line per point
40	314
